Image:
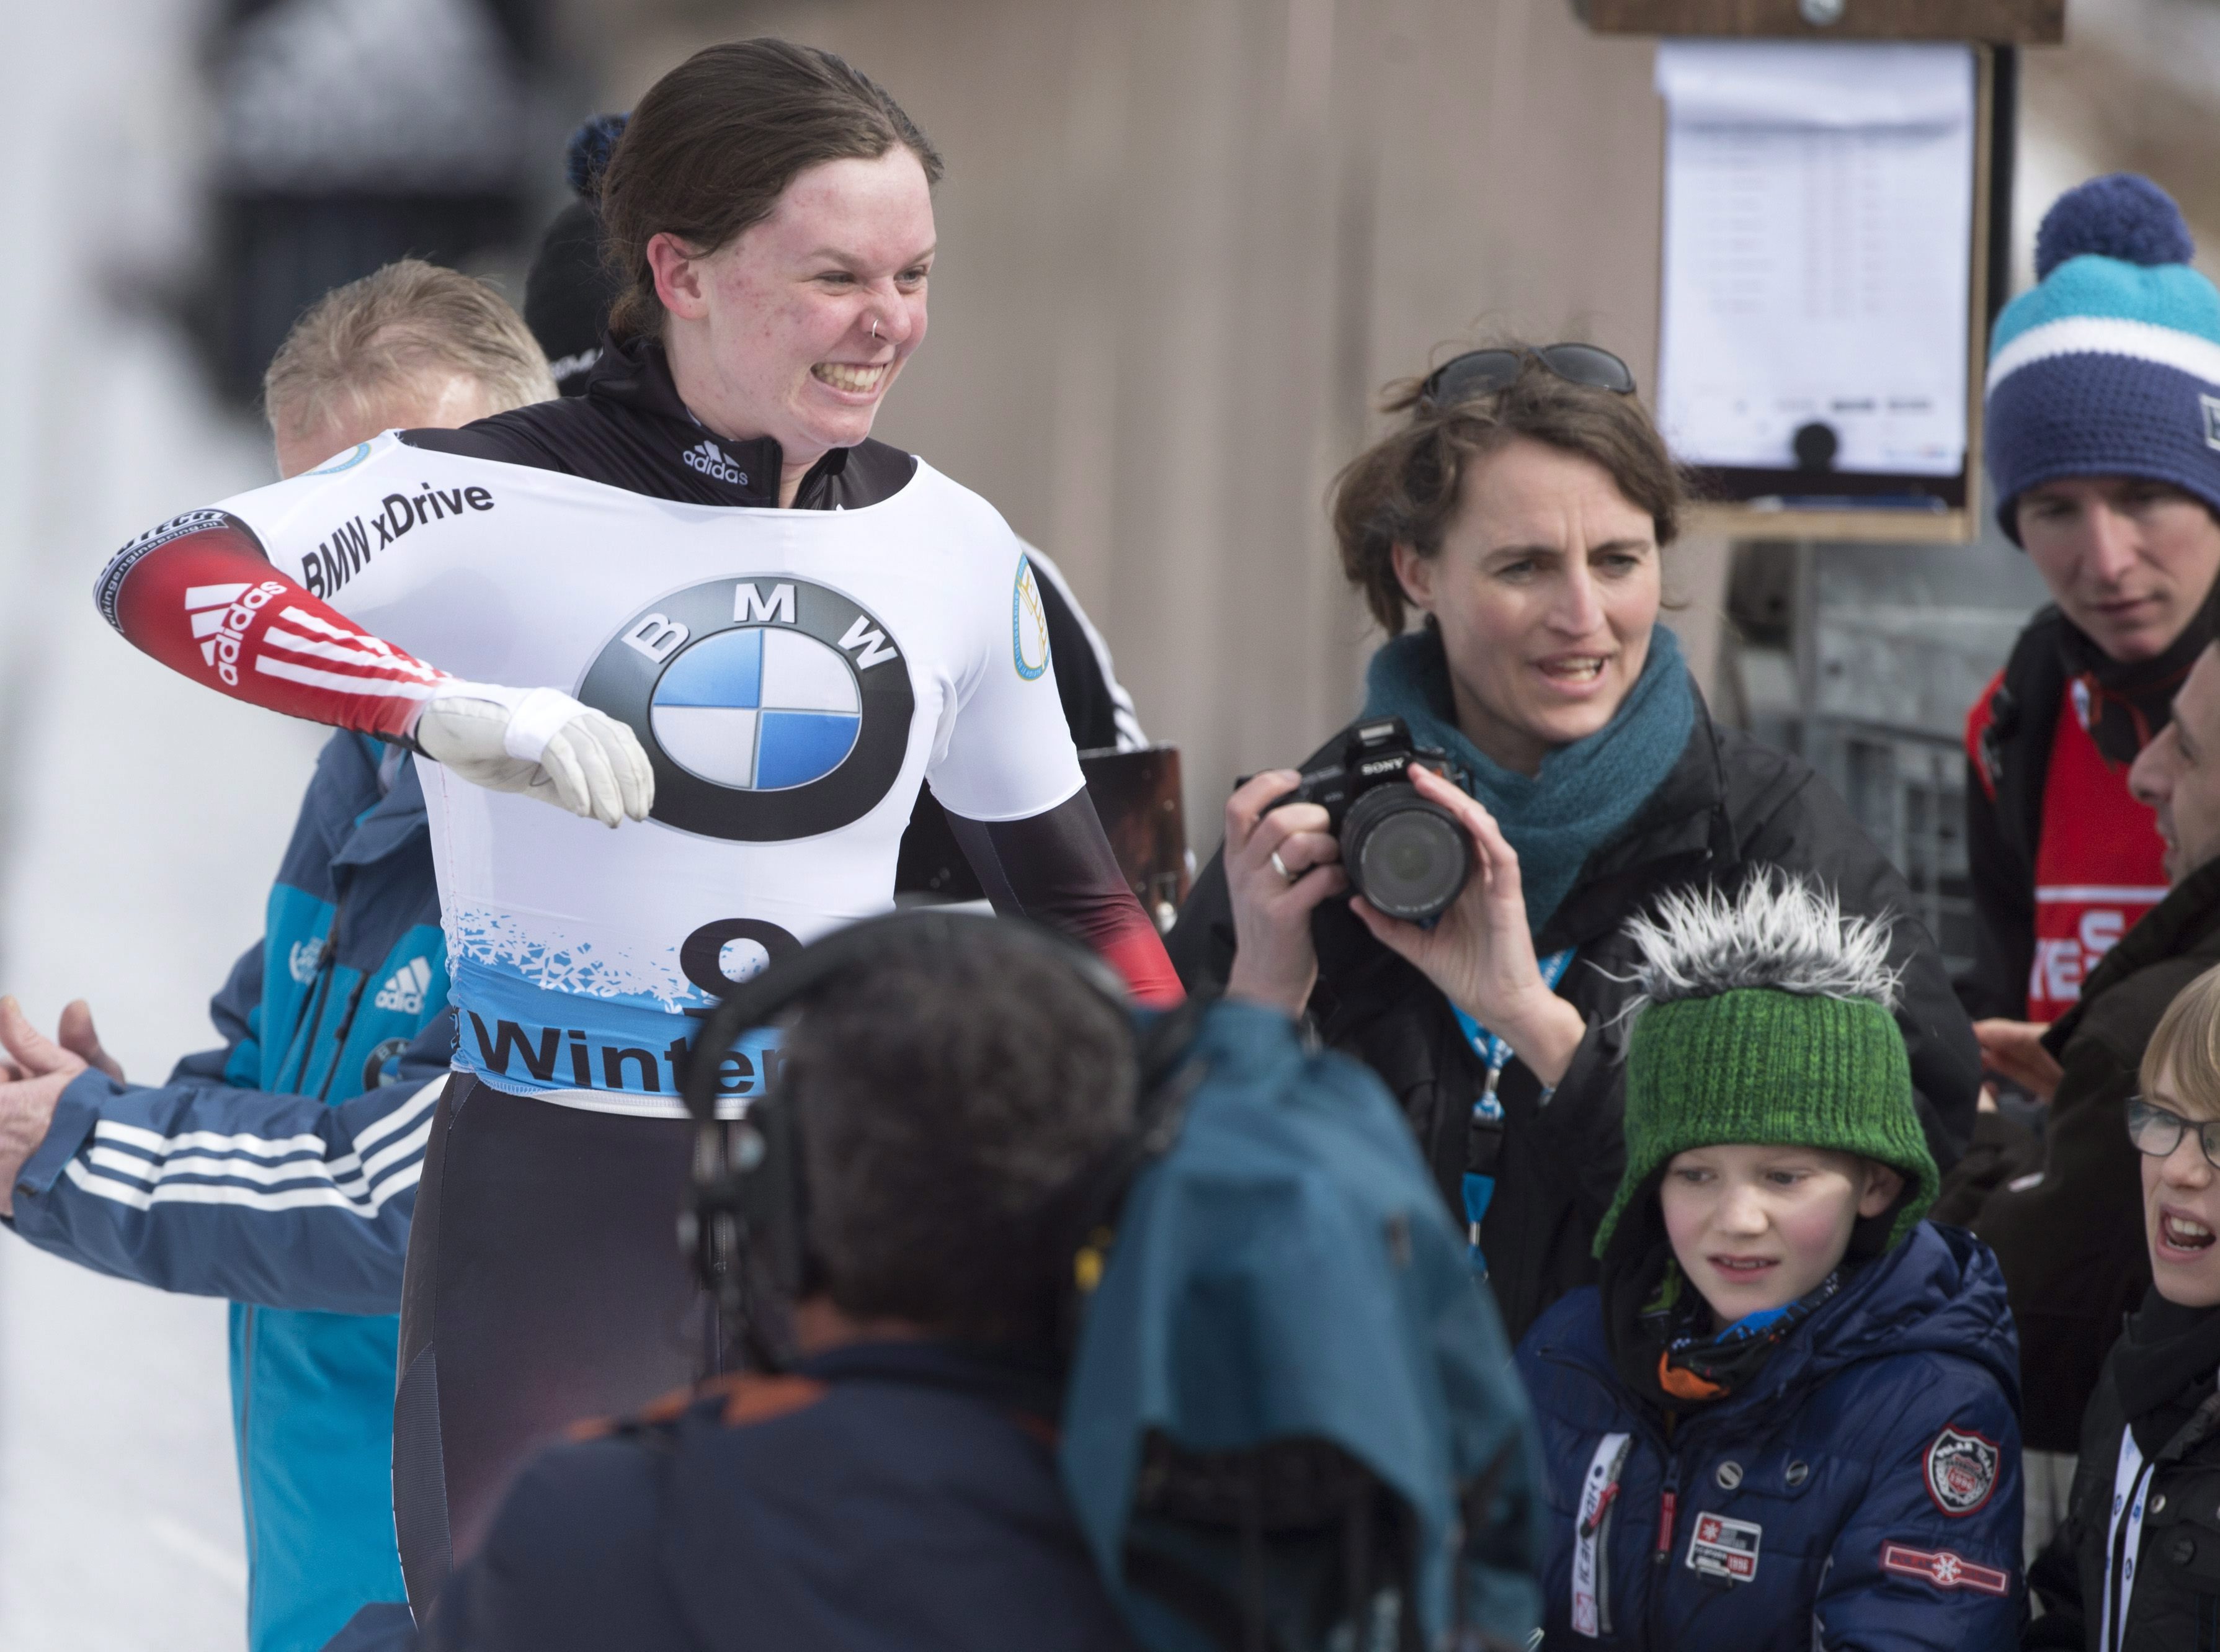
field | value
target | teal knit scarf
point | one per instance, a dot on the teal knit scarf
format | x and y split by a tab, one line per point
1585	791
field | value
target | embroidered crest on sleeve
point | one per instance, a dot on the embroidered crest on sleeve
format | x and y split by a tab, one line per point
1962	1471
1943	1569
1028	624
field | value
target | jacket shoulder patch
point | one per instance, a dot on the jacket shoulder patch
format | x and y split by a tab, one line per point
1962	1471
1943	1569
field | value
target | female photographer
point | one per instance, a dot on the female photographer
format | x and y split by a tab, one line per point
1523	506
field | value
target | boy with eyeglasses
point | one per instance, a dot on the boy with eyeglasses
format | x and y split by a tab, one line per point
2137	1561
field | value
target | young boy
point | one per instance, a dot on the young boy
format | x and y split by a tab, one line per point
2137	1561
1787	1417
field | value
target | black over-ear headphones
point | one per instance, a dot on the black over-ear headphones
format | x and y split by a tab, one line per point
747	1209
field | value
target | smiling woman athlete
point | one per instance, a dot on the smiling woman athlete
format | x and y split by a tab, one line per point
762	632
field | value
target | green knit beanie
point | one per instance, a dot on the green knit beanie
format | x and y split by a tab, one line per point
1765	1018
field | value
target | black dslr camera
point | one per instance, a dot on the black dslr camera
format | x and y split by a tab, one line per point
1409	858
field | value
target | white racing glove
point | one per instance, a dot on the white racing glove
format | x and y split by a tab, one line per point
539	742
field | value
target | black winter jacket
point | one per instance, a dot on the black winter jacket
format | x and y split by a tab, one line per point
2072	1244
1728	805
2158	1379
884	1497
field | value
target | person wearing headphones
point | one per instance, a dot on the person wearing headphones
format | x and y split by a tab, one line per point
698	597
896	1486
982	1411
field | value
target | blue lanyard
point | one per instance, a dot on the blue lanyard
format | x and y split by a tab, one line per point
1494	1052
1479	1190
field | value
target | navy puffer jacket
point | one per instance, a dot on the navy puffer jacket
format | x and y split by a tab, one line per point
1863	1493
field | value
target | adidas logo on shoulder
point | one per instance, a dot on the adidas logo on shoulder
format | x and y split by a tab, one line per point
711	461
405	991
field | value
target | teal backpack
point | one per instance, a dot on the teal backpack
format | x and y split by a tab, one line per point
1293	1422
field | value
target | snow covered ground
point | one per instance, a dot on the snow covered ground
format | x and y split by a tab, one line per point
144	818
139	821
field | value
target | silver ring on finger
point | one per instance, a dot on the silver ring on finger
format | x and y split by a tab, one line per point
1281	867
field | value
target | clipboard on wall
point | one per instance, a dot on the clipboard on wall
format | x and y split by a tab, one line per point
1817	197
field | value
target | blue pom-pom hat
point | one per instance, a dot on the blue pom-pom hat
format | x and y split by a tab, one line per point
2111	365
586	155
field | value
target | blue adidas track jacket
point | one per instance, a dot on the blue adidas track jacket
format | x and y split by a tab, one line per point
280	1171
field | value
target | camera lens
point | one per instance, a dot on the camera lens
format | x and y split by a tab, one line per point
1407	857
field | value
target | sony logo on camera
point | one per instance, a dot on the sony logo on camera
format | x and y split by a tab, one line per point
1408	856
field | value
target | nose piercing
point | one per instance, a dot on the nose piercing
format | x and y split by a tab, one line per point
875	327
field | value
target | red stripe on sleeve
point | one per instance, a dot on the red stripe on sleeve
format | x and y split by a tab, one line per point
1136	951
198	594
1057	869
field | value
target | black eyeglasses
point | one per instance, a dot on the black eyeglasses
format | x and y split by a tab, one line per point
1483	373
2157	1133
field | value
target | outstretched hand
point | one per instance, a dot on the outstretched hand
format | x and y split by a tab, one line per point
2014	1050
1480	952
38	1071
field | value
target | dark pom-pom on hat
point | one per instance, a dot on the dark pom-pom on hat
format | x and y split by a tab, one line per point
2124	216
587	156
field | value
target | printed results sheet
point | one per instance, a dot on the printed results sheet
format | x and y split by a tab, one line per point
1818	233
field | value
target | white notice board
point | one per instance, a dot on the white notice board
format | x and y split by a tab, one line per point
1818	245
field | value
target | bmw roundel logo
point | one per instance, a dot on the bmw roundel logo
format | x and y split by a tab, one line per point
770	708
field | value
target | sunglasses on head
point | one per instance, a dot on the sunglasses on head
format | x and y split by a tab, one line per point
1483	373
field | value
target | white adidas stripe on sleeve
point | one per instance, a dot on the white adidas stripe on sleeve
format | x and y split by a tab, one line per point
382	687
155	1144
207	1192
342	654
421	1103
347	1181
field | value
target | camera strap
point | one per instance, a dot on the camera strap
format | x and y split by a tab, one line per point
1495	1053
1487	1112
